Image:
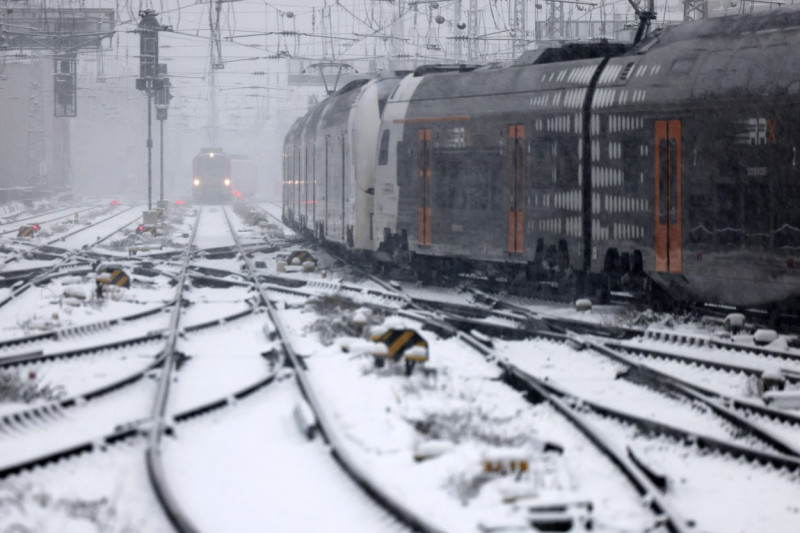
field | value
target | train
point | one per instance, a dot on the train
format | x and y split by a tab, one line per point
211	176
666	168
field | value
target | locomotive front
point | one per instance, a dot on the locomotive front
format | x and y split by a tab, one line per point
211	176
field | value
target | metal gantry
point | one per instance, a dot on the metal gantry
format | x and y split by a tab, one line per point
62	33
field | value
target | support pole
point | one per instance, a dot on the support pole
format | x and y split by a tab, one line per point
161	151
149	150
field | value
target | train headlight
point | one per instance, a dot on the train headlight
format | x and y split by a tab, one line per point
227	182
196	182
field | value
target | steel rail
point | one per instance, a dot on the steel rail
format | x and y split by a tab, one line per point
39	412
662	511
45	275
134	428
38	218
360	475
158	425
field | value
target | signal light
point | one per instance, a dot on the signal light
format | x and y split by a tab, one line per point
196	182
178	202
227	182
114	202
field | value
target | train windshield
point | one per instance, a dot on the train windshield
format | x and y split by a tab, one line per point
208	167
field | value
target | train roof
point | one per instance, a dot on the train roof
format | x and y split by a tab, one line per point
722	27
572	52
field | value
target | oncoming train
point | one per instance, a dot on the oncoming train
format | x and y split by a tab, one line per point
664	168
211	176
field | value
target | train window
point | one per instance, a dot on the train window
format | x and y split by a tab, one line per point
766	69
383	154
737	71
757	215
728	212
683	65
708	77
541	164
788	81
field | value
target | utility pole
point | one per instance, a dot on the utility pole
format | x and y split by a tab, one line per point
554	27
149	81
472	30
519	17
163	97
215	59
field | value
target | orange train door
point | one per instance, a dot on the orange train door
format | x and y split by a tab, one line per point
668	196
516	181
424	185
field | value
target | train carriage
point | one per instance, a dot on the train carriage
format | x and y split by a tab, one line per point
700	128
330	160
667	167
211	176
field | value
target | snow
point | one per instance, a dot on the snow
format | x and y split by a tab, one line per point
103	491
425	438
593	377
276	477
222	360
458	396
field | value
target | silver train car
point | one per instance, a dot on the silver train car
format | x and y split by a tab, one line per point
667	168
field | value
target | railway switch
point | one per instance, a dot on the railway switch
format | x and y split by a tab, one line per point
401	344
142	228
111	275
300	257
28	231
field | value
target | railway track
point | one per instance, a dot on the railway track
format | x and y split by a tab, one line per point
164	454
180	378
762	444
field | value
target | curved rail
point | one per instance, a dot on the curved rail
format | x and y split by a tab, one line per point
662	510
339	452
158	426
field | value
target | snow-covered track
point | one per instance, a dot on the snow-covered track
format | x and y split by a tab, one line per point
82	329
646	480
46	410
729	408
769	357
39	275
158	423
43	218
356	471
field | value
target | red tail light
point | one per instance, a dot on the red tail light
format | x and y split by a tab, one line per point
36	227
178	202
141	227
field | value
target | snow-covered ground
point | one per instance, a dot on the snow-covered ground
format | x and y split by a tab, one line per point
447	441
